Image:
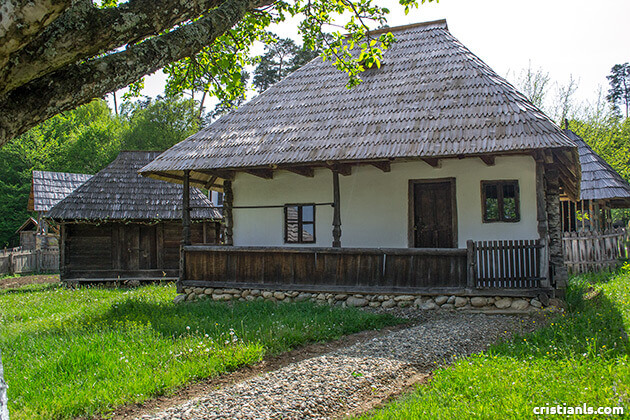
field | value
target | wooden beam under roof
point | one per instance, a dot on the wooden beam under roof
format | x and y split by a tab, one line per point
211	182
308	171
344	169
383	165
221	173
489	160
434	162
565	162
261	173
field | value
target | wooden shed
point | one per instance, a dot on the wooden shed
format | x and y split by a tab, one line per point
121	226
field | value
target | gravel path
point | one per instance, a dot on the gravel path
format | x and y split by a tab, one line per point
353	378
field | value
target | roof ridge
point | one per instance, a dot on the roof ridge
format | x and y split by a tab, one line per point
436	22
62	172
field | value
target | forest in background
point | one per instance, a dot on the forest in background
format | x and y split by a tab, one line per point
87	139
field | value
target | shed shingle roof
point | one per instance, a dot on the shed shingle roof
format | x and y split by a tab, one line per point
599	180
118	192
49	188
432	97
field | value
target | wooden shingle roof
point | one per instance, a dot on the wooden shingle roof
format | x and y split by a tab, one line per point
118	192
599	180
49	188
431	97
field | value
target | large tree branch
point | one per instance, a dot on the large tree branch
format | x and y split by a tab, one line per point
77	84
86	32
22	20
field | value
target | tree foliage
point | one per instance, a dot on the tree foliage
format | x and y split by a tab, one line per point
69	52
619	92
84	141
281	58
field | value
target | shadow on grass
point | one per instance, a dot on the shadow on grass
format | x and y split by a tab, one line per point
289	323
29	289
594	326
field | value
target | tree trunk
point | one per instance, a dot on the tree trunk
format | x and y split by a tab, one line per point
78	84
4	409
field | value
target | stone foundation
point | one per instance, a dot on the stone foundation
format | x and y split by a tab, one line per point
359	300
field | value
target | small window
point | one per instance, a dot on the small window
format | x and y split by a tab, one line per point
299	223
500	201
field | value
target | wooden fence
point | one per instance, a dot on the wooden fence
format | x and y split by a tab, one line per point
29	261
593	251
513	264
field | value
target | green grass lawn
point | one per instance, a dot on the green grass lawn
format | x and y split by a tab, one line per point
82	352
580	357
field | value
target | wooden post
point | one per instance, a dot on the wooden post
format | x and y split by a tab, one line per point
186	209
543	224
472	264
336	211
62	251
228	202
185	231
39	263
541	204
11	264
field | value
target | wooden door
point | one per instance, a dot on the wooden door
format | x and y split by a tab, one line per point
140	249
433	223
148	247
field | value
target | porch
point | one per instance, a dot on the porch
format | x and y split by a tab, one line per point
485	268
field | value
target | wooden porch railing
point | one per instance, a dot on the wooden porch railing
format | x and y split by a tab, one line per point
342	269
516	265
592	251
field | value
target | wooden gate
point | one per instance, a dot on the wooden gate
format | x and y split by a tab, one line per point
515	264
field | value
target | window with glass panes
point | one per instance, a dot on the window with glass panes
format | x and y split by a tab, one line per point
500	201
299	223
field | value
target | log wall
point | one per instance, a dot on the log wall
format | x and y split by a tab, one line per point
127	250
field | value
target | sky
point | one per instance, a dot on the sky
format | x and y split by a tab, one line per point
579	38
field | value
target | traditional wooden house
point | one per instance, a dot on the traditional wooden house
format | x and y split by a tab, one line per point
442	177
120	226
591	242
47	189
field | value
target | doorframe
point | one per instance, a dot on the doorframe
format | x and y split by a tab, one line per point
411	207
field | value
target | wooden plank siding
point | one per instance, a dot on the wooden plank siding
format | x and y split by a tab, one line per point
343	268
127	250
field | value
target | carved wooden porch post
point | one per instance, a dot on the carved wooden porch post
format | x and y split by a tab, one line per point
336	211
228	201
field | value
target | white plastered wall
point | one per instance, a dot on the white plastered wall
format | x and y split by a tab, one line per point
374	204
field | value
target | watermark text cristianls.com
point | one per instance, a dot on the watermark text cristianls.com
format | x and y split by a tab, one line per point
572	410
